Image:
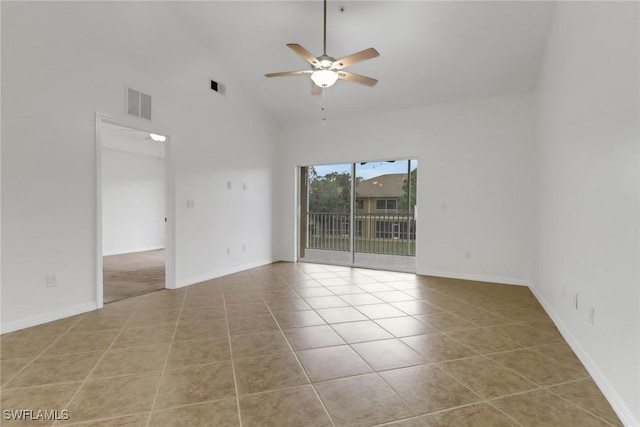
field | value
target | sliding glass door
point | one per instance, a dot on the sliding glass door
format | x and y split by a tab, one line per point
359	214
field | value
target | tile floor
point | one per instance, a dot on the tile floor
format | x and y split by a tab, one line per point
306	345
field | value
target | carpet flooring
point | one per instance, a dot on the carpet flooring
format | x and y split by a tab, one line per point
133	274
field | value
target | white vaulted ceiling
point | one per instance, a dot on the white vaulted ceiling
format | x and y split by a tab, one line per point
430	52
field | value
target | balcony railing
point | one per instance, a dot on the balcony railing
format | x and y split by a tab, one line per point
389	234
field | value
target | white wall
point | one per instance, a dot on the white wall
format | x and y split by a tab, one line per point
133	202
62	63
474	185
588	191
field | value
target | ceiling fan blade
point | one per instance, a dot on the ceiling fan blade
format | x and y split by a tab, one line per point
289	73
315	89
357	78
363	55
304	53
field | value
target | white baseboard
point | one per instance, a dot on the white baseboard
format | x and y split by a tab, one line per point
132	250
39	319
618	405
180	283
476	277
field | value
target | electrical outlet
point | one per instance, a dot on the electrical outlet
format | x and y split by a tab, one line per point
592	315
52	280
191	204
575	301
228	185
228	251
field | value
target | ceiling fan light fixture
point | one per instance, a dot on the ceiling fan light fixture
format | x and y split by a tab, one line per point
324	78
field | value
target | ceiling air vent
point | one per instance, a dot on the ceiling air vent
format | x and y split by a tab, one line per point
138	104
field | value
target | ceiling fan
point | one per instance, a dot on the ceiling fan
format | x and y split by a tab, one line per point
325	70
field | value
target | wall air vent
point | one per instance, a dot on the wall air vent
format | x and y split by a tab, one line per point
217	87
138	104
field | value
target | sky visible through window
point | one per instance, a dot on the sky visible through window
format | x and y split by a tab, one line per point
368	170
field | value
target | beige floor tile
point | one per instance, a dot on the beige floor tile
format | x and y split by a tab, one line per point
96	322
456	322
361	299
367	330
541	408
288	305
252	324
258	344
112	397
132	360
561	352
326	302
195	384
380	311
340	314
415	307
388	354
131	337
291	407
429	388
393	296
243	297
154	316
188	353
137	420
329	363
9	368
377	403
479	415
483	340
333	282
348	289
376	287
48	397
56	369
588	396
298	319
222	413
486	378
25	345
538	368
438	347
405	326
314	292
481	317
247	309
312	337
202	312
445	322
82	342
200	329
524	335
410	422
265	373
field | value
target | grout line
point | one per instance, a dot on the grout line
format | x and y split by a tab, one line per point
86	378
299	363
575	404
233	364
166	358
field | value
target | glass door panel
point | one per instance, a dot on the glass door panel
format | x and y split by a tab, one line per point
327	220
366	221
384	218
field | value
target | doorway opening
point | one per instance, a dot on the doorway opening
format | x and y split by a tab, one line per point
133	238
359	214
